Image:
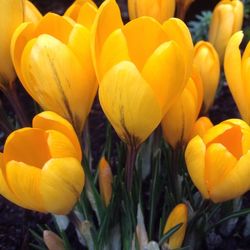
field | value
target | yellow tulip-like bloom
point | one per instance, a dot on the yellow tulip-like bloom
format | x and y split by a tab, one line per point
207	61
178	215
142	67
53	61
160	10
12	13
237	72
218	161
177	124
105	180
83	12
227	18
40	167
201	126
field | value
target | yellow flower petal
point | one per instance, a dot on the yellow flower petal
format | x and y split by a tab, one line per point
219	162
165	72
178	31
60	146
20	38
62	181
87	15
54	25
195	159
11	15
31	13
107	20
142	44
5	190
129	103
201	126
22	146
236	183
233	72
24	180
116	42
50	120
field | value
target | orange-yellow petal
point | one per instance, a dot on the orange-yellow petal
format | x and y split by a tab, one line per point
165	72
22	146
24	181
61	184
195	160
108	19
31	13
235	183
142	44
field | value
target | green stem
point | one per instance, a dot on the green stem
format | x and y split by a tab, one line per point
129	167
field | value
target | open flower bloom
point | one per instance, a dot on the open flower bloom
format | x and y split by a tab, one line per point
218	161
83	12
53	61
12	13
177	216
177	124
160	10
237	70
227	18
207	61
142	67
105	178
40	167
201	126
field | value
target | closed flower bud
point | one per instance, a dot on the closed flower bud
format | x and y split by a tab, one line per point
40	167
218	161
53	61
178	215
207	61
105	181
201	126
12	13
142	67
237	71
52	240
227	18
160	10
177	124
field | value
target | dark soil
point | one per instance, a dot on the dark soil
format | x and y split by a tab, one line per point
15	222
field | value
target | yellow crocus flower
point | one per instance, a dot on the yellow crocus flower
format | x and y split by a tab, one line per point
178	215
207	61
237	74
160	10
227	19
105	178
12	13
218	161
178	122
40	167
53	61
142	67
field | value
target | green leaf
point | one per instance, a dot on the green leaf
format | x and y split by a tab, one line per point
237	214
168	234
